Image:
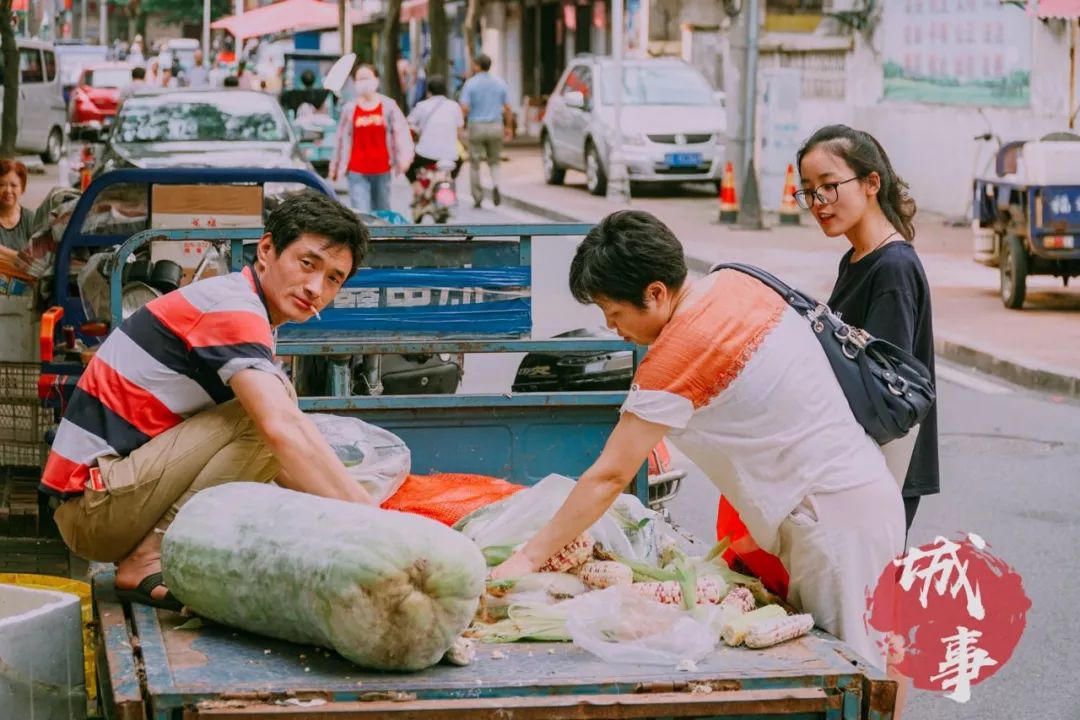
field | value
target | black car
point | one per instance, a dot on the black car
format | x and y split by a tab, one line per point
200	128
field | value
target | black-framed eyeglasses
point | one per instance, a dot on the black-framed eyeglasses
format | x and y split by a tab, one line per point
823	194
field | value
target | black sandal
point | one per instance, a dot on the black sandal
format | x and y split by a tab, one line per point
142	594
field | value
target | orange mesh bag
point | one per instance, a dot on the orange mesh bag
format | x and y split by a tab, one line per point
448	497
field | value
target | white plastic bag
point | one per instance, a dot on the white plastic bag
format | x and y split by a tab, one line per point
620	625
377	458
628	529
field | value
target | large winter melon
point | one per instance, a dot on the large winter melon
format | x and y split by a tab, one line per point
387	590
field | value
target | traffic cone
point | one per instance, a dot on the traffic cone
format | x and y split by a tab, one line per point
729	205
789	209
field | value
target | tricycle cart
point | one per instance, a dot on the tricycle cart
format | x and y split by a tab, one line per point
1027	218
151	667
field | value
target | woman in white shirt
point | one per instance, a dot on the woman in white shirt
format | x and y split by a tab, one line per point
437	122
739	383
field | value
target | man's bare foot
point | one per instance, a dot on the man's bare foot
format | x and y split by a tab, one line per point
144	560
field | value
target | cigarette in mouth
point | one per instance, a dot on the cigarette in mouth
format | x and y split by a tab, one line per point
316	311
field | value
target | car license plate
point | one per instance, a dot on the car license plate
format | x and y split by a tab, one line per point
679	160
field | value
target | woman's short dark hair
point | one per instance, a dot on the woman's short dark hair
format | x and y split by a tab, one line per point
14	166
625	253
864	154
312	212
374	70
436	85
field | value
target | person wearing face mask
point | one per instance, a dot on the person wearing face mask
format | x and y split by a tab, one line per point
736	378
373	144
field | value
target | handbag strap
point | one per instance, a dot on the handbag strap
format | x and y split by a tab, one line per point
797	299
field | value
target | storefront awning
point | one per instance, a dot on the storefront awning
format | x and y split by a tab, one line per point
295	15
1064	9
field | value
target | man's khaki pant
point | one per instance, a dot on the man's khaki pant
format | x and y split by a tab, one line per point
145	490
485	145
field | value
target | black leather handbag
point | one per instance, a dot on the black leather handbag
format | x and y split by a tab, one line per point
888	389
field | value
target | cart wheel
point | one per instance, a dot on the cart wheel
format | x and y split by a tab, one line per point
1014	270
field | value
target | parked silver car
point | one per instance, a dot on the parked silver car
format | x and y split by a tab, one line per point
42	114
674	125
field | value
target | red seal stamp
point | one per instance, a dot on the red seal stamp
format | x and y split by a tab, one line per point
952	614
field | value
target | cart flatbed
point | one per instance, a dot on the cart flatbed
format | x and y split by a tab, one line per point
157	670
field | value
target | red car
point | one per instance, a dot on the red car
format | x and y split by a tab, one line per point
97	96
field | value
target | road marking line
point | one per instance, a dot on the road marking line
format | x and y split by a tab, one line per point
972	382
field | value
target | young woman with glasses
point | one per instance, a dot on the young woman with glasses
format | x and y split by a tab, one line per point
850	187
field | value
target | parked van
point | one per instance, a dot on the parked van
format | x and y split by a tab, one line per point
41	101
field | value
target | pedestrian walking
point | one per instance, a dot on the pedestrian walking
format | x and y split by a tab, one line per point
138	82
198	75
486	105
373	143
736	378
851	189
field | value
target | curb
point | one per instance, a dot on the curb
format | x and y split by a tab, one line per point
1051	380
1016	371
538	210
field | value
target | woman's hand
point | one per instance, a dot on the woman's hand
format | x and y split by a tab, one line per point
515	566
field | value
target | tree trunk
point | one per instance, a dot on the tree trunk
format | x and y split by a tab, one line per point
343	18
390	35
440	32
472	20
9	126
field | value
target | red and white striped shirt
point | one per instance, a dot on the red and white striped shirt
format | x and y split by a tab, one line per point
169	360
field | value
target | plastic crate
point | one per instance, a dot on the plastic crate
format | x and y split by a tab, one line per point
23	455
19	381
23	419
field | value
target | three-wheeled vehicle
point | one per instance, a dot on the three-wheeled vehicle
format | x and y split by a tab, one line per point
153	665
122	203
1027	217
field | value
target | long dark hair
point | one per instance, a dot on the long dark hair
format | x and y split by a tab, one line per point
864	154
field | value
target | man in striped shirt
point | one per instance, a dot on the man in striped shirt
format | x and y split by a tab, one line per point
185	395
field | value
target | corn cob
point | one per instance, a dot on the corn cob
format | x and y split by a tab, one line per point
766	633
599	574
709	591
576	553
734	631
462	652
737	602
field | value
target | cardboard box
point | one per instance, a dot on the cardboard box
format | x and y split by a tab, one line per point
205	207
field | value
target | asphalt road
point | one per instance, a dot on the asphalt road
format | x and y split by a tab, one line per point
1011	473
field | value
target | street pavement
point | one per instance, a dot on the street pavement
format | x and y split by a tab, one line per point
1009	454
1038	346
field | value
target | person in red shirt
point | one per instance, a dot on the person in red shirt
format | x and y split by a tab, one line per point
373	144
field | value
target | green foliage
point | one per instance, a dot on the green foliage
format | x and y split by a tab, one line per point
180	11
893	69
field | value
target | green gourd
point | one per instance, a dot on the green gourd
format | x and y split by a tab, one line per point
387	590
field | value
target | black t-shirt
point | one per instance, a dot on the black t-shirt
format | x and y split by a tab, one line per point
886	294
